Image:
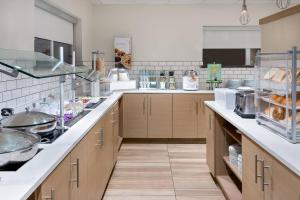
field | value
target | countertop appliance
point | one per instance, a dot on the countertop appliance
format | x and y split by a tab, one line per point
17	146
244	104
190	80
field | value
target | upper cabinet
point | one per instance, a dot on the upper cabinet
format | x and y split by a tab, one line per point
281	31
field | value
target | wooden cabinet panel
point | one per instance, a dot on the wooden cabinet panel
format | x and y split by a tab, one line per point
283	184
57	184
160	116
95	173
203	116
108	149
184	116
116	124
210	141
79	170
252	170
135	116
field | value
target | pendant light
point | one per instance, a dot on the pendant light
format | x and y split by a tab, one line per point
244	17
283	4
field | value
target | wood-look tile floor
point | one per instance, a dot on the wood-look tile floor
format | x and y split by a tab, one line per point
162	172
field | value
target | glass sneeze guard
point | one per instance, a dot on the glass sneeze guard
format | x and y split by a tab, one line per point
37	65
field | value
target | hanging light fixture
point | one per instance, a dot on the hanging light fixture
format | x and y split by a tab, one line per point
244	17
283	4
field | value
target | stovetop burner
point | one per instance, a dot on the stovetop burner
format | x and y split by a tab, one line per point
51	136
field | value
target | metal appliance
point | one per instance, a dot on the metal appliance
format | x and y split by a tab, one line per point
244	104
190	80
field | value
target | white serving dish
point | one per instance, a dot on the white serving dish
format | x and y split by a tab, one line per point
122	85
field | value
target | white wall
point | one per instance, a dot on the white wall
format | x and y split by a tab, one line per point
166	32
17	24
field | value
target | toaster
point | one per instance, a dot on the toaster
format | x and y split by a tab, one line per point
244	103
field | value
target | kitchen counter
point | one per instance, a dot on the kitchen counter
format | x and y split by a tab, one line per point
179	91
284	151
19	185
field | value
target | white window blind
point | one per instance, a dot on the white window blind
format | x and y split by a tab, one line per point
51	27
226	37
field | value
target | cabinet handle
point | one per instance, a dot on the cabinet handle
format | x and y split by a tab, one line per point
201	104
263	175
52	195
209	121
150	106
100	142
256	174
144	105
77	172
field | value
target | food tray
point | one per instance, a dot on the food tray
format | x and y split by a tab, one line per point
278	104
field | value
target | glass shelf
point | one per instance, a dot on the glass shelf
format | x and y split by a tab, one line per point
37	65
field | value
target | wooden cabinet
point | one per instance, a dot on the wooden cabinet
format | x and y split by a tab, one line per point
116	130
210	141
57	184
266	178
185	112
95	174
107	159
79	170
286	26
160	116
147	116
252	165
135	116
203	117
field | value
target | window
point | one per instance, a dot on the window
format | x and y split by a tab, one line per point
42	46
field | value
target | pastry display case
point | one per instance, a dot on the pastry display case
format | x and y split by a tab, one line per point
278	93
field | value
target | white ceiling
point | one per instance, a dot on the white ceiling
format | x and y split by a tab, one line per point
109	2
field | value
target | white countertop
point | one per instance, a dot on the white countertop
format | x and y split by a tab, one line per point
284	151
179	91
21	184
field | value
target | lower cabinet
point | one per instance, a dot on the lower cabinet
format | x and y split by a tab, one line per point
185	112
147	116
79	171
210	140
160	116
266	178
57	185
85	172
116	129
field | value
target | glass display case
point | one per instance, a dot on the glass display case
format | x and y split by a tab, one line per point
278	93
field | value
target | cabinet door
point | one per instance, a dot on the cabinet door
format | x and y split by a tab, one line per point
203	117
210	141
135	116
184	116
108	149
116	125
57	185
160	116
79	170
281	182
252	170
95	168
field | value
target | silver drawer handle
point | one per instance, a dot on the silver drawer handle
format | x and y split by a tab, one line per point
100	142
263	175
77	172
256	174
